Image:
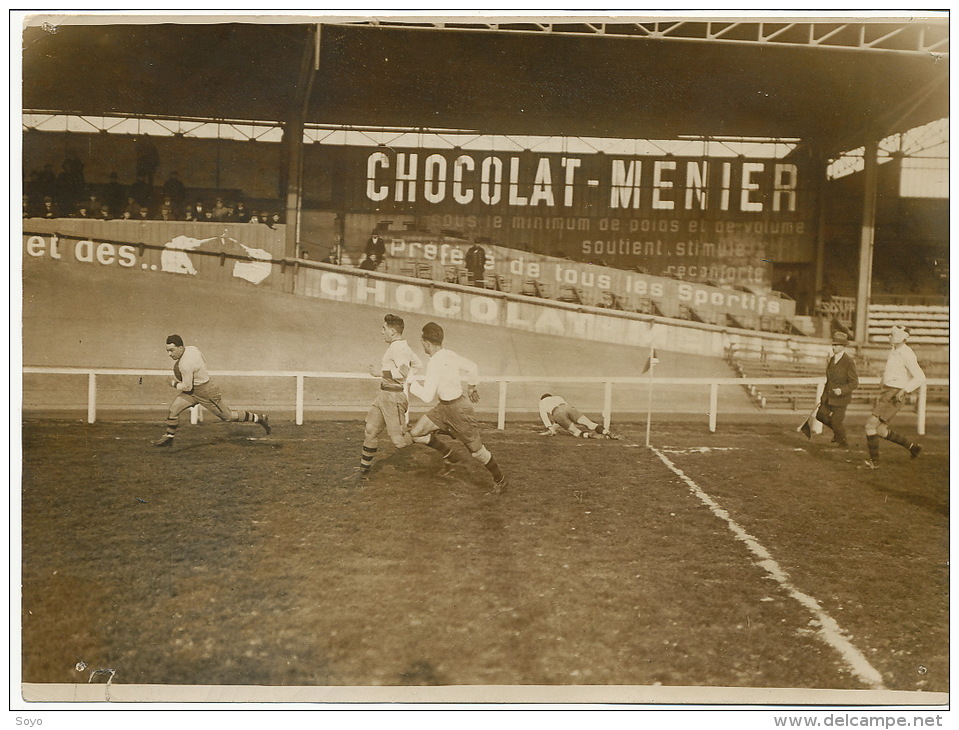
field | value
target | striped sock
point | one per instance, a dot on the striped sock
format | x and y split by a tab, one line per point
366	461
250	416
171	426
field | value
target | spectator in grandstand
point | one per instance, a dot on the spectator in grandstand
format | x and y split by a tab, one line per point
902	375
333	257
71	180
192	382
46	183
375	247
141	191
148	159
390	408
274	220
841	380
174	189
558	415
476	264
454	412
131	210
114	193
92	204
240	212
166	209
49	209
220	211
197	212
369	263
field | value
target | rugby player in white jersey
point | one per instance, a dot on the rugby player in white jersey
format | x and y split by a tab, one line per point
901	375
453	414
389	410
558	415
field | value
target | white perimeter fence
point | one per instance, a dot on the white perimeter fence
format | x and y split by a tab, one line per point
299	379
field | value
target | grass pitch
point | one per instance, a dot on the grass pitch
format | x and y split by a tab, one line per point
237	558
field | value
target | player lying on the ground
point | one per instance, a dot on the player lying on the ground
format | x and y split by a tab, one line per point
558	415
194	386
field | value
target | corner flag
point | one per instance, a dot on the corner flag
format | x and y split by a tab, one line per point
648	368
651	360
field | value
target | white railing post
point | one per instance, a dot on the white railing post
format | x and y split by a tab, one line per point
195	414
501	411
299	400
607	404
921	411
92	398
713	405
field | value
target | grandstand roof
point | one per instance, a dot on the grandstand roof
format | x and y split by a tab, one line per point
639	80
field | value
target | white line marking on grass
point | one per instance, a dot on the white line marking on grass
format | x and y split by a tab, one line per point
829	630
701	449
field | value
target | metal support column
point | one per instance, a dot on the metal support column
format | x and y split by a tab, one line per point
293	129
867	239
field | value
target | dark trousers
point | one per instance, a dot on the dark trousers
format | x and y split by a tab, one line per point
833	417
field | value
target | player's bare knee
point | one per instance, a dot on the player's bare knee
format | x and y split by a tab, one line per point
425	439
882	430
872	426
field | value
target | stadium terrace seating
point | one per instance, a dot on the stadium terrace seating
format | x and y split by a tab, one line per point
928	325
752	363
796	397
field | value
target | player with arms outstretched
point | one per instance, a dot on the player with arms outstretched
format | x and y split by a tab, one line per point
389	410
194	386
454	413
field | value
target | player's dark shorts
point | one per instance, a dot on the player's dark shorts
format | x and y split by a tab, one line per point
389	409
887	406
566	415
207	395
457	418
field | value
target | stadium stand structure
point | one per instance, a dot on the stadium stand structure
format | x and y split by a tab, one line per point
750	362
927	324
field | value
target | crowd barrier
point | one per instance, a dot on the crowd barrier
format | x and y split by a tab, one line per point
503	382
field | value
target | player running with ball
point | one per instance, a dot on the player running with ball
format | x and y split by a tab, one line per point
194	386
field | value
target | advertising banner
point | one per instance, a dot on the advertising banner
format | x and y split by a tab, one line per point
723	220
588	284
215	251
